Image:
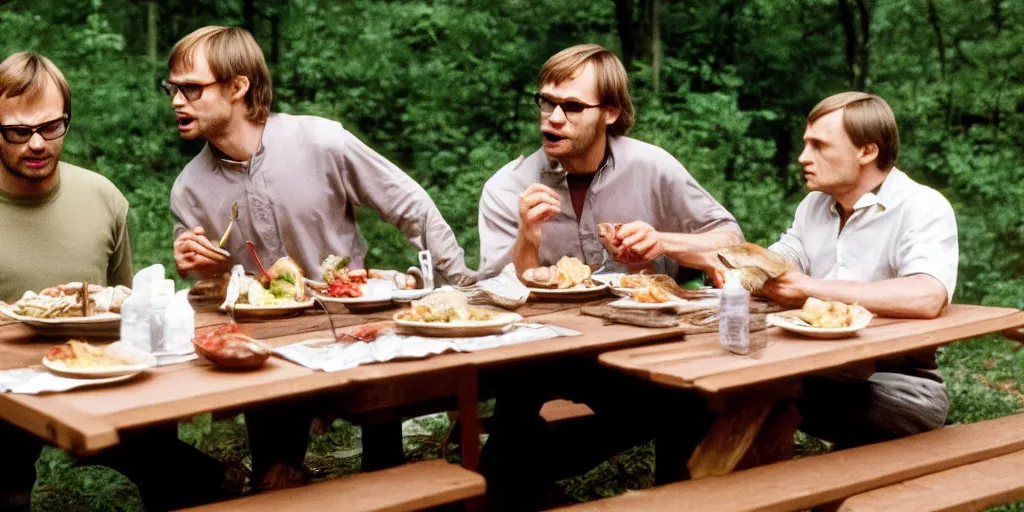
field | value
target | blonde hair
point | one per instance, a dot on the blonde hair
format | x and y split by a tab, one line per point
27	72
867	119
612	81
231	52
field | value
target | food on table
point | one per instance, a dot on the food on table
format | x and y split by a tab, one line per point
79	354
569	272
344	282
831	314
751	264
210	292
281	285
72	300
228	346
658	288
447	306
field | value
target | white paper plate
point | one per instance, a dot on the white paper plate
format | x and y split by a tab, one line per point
461	329
250	312
784	321
140	361
631	303
99	325
579	293
411	295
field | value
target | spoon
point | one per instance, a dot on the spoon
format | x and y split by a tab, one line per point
231	223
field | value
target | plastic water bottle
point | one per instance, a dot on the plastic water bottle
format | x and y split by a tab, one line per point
734	318
160	297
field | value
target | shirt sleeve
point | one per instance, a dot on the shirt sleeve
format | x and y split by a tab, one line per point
499	227
374	182
119	268
928	242
791	243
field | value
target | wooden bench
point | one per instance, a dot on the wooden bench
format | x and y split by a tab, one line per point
408	487
804	483
972	487
558	411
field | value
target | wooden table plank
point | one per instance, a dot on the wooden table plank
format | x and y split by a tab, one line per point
701	363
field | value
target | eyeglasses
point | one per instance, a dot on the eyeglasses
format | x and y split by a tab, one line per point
192	92
571	109
50	130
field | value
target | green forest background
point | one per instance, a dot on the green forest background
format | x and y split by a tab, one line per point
443	89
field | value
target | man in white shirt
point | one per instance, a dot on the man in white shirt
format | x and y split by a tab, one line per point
868	234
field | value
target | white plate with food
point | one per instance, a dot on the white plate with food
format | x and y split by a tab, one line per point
449	315
578	292
631	303
283	310
78	359
823	319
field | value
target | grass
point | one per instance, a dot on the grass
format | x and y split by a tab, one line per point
983	376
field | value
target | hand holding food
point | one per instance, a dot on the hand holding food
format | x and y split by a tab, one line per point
196	254
536	205
752	264
639	242
789	289
567	273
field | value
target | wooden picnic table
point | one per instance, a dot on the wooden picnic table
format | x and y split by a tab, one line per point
744	389
89	419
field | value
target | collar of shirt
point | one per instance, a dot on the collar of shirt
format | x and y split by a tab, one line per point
240	166
890	193
555	167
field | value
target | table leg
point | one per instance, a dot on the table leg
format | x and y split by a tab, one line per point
729	438
469	416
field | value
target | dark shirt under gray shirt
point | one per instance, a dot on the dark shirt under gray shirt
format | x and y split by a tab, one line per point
297	197
636	182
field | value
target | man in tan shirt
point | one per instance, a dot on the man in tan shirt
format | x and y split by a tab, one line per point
60	223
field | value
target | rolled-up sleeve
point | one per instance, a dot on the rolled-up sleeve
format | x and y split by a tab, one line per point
374	182
791	243
499	227
928	241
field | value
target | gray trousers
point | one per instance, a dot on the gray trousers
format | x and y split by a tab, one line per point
852	412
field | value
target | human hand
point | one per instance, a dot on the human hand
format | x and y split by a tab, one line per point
639	242
195	254
789	289
536	205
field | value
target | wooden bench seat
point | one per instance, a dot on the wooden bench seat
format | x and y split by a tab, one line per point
408	487
804	483
556	411
972	487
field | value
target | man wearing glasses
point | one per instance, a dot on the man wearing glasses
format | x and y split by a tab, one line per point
540	208
297	181
60	223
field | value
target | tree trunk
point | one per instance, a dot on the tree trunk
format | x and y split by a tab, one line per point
940	43
864	58
656	56
997	15
152	32
846	18
249	16
624	22
275	38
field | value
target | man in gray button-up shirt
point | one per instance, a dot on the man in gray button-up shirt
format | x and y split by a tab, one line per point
548	205
537	209
296	179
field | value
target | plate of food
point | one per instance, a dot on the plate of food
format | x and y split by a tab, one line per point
72	309
448	314
280	292
228	347
823	319
79	359
569	279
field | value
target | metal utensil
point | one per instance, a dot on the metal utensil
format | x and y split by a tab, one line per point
334	330
231	223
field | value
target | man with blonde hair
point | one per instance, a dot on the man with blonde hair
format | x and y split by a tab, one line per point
540	208
868	234
60	223
297	181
